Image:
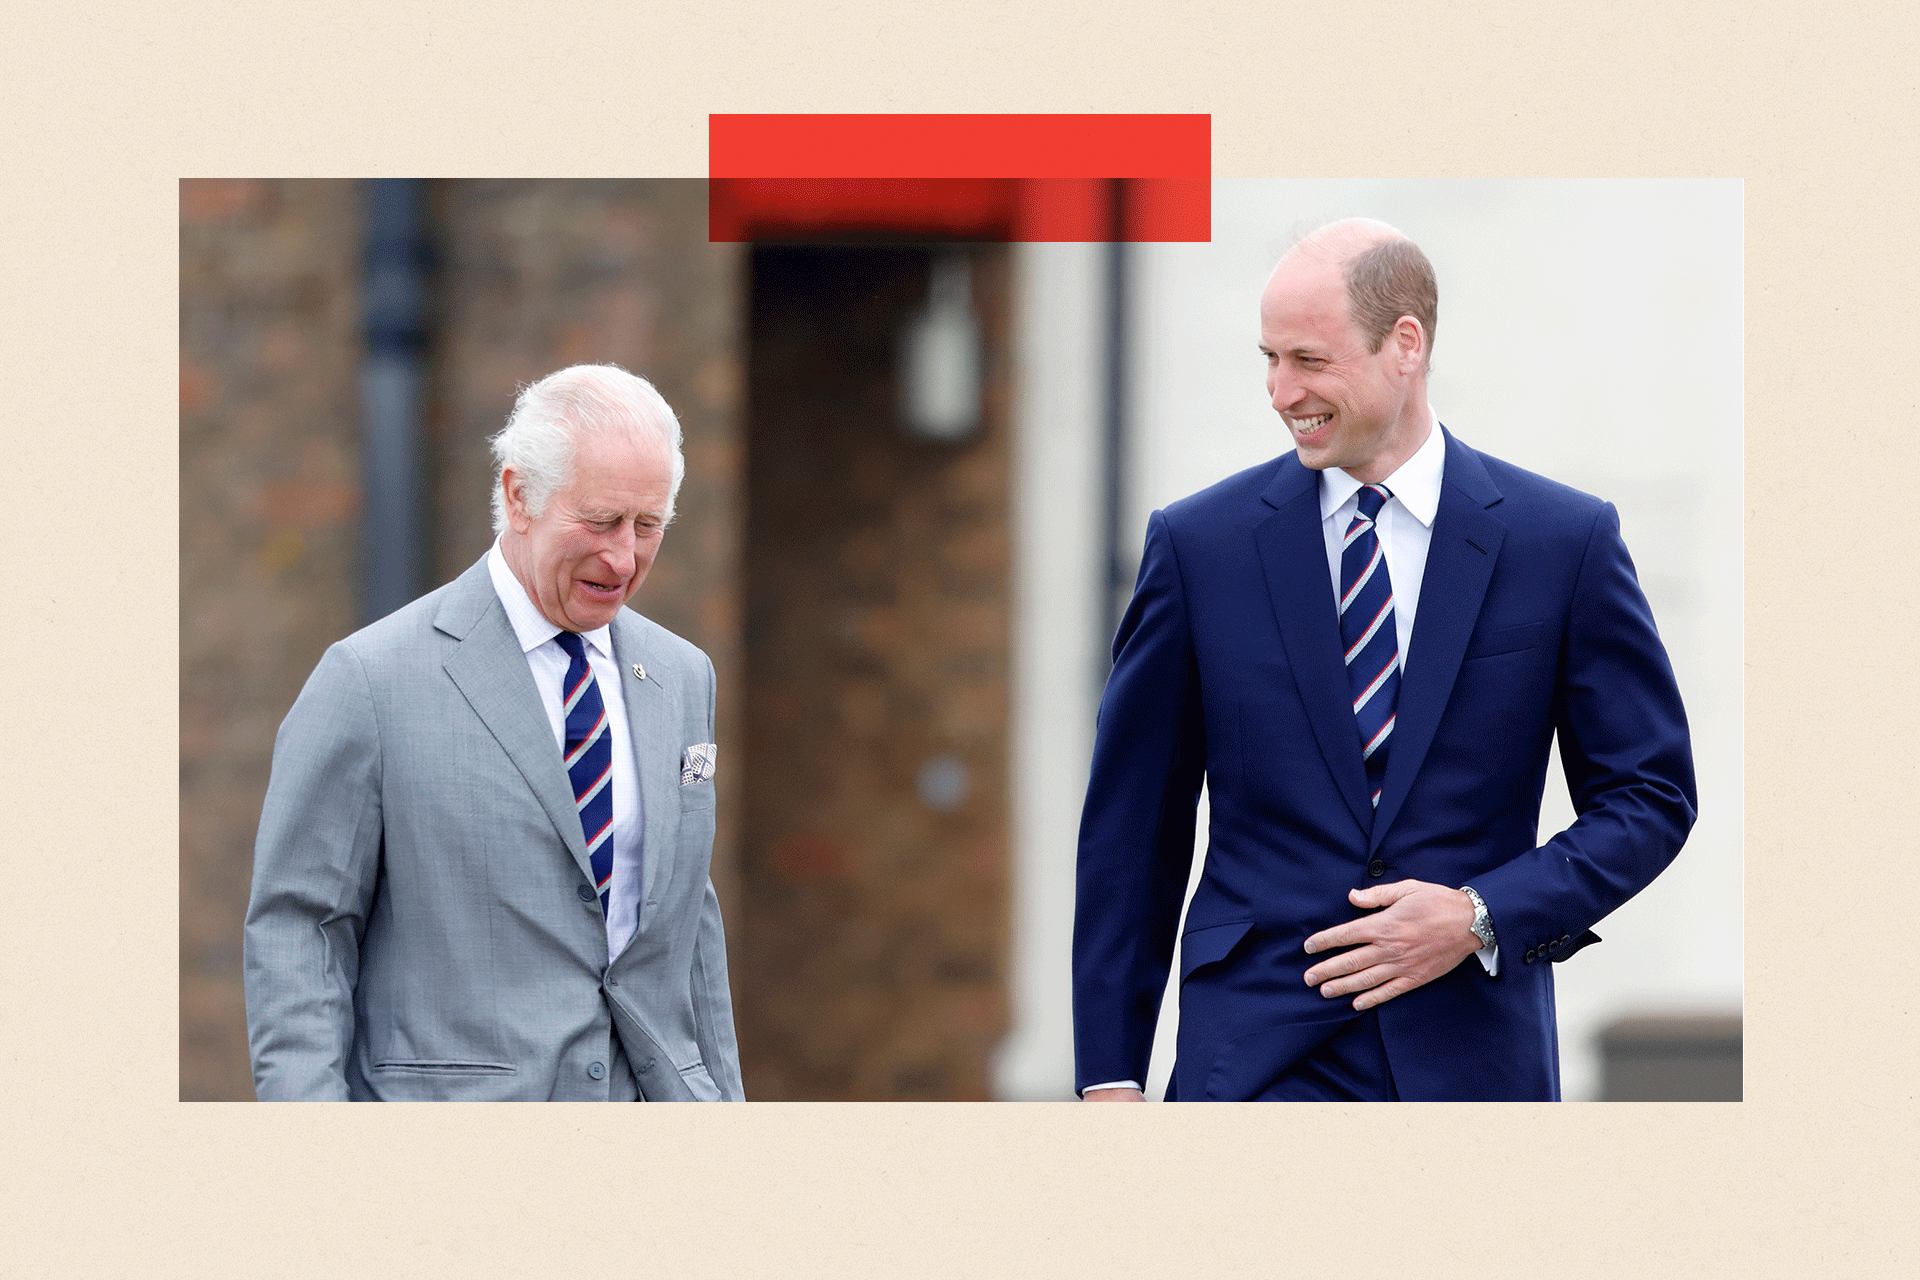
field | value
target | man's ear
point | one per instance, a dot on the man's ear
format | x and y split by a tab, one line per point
1409	339
513	489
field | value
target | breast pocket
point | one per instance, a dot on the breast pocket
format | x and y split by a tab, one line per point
696	795
1491	644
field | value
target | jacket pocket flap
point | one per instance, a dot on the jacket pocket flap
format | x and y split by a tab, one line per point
440	1066
1213	943
700	1082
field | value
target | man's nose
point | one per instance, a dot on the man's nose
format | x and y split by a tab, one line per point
618	551
1282	390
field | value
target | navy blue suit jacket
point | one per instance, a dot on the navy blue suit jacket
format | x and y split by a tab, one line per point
1227	667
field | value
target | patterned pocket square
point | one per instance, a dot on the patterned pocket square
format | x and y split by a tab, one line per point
697	764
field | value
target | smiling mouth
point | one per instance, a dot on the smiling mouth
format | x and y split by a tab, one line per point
1307	426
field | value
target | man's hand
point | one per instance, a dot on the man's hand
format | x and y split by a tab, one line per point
1113	1095
1425	930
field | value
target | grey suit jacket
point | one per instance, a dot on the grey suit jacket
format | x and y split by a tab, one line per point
421	925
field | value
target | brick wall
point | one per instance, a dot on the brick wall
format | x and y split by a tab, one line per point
269	500
871	958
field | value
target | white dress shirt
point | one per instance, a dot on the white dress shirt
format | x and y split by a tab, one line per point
1405	530
548	662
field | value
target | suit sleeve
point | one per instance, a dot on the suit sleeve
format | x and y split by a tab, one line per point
1629	767
315	864
712	996
1137	829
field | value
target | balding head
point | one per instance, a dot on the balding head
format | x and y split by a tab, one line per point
1385	274
1339	241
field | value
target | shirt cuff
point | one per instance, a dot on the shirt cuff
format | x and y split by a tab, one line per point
1489	958
1112	1084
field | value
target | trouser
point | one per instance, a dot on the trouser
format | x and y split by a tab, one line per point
1348	1066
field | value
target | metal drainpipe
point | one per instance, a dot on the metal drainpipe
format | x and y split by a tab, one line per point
1114	584
391	383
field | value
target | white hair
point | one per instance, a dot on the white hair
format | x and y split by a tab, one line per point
541	435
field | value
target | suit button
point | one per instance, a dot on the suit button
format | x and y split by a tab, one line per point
1529	957
1376	868
1565	938
586	893
597	1070
646	1066
1554	945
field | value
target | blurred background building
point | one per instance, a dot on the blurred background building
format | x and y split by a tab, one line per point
919	463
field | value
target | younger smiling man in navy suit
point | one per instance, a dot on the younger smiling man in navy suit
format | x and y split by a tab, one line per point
1365	647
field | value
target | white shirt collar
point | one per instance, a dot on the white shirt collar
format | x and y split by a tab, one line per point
1416	483
530	626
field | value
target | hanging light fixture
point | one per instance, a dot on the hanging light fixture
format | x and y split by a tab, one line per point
939	374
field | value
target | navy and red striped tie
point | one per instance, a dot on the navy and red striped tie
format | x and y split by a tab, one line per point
1368	634
589	760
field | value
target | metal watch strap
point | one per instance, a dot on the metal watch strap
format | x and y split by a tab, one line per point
1482	922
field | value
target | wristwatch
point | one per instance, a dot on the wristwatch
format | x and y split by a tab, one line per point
1482	922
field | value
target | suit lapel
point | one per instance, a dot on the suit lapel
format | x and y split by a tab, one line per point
489	668
653	724
1460	558
1293	555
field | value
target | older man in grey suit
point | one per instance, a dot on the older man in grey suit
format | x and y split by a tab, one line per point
482	866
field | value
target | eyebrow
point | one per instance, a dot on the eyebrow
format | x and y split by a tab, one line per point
657	515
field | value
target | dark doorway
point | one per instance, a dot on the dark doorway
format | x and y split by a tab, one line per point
870	951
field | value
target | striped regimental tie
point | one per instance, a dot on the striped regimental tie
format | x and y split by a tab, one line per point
1368	635
589	759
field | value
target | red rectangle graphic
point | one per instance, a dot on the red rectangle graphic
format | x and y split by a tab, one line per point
960	146
960	177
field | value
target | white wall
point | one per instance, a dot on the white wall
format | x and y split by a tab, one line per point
1588	330
1058	492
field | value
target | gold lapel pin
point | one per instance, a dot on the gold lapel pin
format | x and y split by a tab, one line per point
639	671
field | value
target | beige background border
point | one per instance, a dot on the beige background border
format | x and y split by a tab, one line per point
105	1174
